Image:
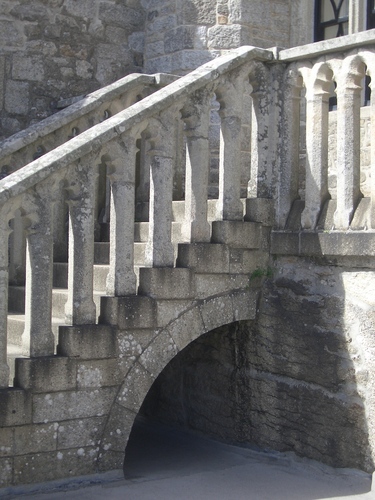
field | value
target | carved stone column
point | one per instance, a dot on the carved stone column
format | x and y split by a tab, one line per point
229	94
5	231
348	147
121	279
317	97
159	249
80	308
373	153
37	338
196	114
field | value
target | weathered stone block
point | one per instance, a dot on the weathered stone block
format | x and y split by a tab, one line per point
133	342
260	210
6	471
129	312
118	429
98	373
35	438
121	15
169	310
43	467
136	385
6	442
245	304
237	234
46	374
166	283
15	407
211	284
284	243
80	433
87	342
28	68
158	354
216	312
10	34
17	97
186	328
180	38
204	257
72	404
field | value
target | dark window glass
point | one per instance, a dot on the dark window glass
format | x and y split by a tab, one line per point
370	14
331	18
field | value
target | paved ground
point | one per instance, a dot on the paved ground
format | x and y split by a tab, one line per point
164	464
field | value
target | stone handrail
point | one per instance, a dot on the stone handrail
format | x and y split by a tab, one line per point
27	145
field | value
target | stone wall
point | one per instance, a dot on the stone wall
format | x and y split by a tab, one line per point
180	35
297	379
51	50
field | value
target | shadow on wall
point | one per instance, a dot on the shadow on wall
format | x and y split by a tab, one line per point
296	379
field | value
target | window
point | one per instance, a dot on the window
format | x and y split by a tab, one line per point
331	19
370	14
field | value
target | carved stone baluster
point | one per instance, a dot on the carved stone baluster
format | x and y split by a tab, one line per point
5	231
373	151
37	338
348	145
317	96
80	308
196	114
121	279
229	94
162	150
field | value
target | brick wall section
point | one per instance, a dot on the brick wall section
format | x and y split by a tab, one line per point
56	49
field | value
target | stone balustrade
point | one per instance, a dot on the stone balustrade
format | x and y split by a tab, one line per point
153	125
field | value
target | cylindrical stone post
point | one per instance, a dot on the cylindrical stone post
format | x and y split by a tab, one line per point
229	93
316	155
37	338
4	368
348	152
80	307
196	114
121	278
159	249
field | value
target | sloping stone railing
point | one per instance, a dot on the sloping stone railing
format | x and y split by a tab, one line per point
28	145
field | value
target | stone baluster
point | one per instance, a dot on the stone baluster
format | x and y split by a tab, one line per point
290	145
196	114
80	308
348	146
121	278
5	231
229	95
317	97
37	338
161	151
373	152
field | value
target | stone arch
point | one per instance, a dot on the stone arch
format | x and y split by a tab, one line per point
198	318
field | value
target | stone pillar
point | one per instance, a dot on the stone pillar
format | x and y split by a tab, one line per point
4	368
373	153
37	338
229	95
290	148
317	96
162	150
348	148
80	308
121	278
196	114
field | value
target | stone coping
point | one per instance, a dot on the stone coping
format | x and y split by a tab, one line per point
319	244
82	107
327	46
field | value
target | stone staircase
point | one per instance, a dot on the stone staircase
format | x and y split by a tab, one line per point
98	329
